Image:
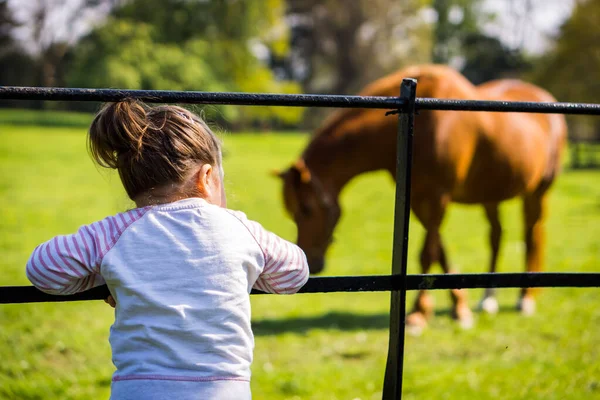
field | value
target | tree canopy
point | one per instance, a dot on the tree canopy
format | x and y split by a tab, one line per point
571	70
283	46
189	45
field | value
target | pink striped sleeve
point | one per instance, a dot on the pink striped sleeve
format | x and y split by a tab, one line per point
286	269
69	264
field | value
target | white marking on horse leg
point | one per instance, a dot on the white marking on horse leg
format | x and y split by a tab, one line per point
467	321
489	305
526	305
414	330
416	322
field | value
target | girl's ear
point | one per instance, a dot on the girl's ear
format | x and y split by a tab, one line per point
203	177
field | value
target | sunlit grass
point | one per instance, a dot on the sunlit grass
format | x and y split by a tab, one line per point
322	346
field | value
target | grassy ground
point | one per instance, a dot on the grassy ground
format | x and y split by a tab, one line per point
325	346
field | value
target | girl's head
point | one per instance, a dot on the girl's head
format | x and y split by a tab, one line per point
162	153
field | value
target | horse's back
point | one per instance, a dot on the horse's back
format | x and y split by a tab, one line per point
433	80
488	156
479	156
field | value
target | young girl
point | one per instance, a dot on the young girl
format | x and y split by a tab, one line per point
179	267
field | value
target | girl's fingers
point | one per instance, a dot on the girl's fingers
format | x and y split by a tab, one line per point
110	301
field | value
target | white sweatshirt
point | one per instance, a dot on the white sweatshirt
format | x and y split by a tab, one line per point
180	274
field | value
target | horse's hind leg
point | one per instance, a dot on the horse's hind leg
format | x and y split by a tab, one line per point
489	303
534	213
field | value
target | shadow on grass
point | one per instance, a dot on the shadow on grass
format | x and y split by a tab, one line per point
334	320
341	321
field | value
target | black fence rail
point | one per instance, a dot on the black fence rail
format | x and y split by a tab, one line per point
290	100
398	283
371	283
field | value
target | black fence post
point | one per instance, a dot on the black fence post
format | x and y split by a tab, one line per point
392	384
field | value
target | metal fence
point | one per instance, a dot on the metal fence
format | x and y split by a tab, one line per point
398	283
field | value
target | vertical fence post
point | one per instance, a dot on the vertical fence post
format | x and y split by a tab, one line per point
392	384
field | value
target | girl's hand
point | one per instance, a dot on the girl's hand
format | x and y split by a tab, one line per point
110	301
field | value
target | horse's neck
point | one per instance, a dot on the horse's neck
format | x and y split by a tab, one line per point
334	161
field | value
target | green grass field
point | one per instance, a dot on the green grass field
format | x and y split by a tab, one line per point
323	346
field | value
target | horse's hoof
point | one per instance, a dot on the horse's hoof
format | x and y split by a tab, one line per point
527	306
466	321
415	323
414	330
464	316
489	305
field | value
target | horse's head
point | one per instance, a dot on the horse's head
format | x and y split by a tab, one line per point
314	209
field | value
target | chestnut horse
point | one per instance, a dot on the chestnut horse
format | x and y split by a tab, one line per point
466	157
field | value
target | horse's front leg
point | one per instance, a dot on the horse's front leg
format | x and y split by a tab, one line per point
430	212
423	307
460	310
489	303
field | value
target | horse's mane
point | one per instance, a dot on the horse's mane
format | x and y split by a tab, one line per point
380	87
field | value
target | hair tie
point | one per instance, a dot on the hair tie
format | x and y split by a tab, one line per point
184	115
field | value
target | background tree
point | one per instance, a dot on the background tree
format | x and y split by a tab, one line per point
571	69
338	46
7	25
486	58
15	64
48	34
278	46
460	40
455	21
190	45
